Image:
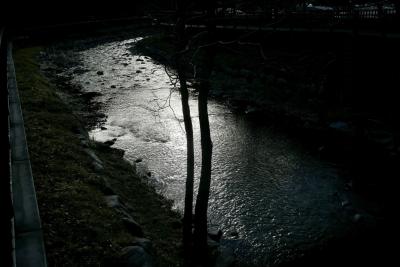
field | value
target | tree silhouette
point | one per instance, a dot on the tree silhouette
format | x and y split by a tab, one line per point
204	67
204	73
188	209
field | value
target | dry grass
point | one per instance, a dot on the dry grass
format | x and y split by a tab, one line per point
79	229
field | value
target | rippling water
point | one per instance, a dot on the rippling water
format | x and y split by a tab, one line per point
278	198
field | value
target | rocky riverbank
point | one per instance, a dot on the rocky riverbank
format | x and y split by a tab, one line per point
140	229
95	210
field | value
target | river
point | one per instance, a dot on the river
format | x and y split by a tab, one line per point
279	198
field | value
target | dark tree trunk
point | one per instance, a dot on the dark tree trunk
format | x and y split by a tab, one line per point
200	230
188	210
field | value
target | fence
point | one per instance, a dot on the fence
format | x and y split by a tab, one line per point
377	20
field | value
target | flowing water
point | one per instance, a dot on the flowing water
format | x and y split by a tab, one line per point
278	198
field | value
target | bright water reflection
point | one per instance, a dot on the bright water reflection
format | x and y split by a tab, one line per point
279	199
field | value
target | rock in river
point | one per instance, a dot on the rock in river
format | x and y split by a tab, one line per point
215	234
226	257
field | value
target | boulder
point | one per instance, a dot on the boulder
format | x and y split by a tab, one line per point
340	126
113	201
136	256
357	218
85	143
106	187
349	185
110	142
98	167
215	234
345	203
144	243
91	154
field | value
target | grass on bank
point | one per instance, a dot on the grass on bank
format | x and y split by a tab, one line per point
79	228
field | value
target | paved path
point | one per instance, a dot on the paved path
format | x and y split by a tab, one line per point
29	246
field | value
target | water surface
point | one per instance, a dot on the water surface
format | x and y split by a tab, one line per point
278	198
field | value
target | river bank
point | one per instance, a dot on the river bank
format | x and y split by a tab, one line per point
95	210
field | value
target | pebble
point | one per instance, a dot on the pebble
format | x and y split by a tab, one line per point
345	203
357	217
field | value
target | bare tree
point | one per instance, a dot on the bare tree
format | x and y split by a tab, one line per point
200	230
179	62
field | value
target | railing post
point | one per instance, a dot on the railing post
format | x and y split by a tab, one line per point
381	19
355	19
